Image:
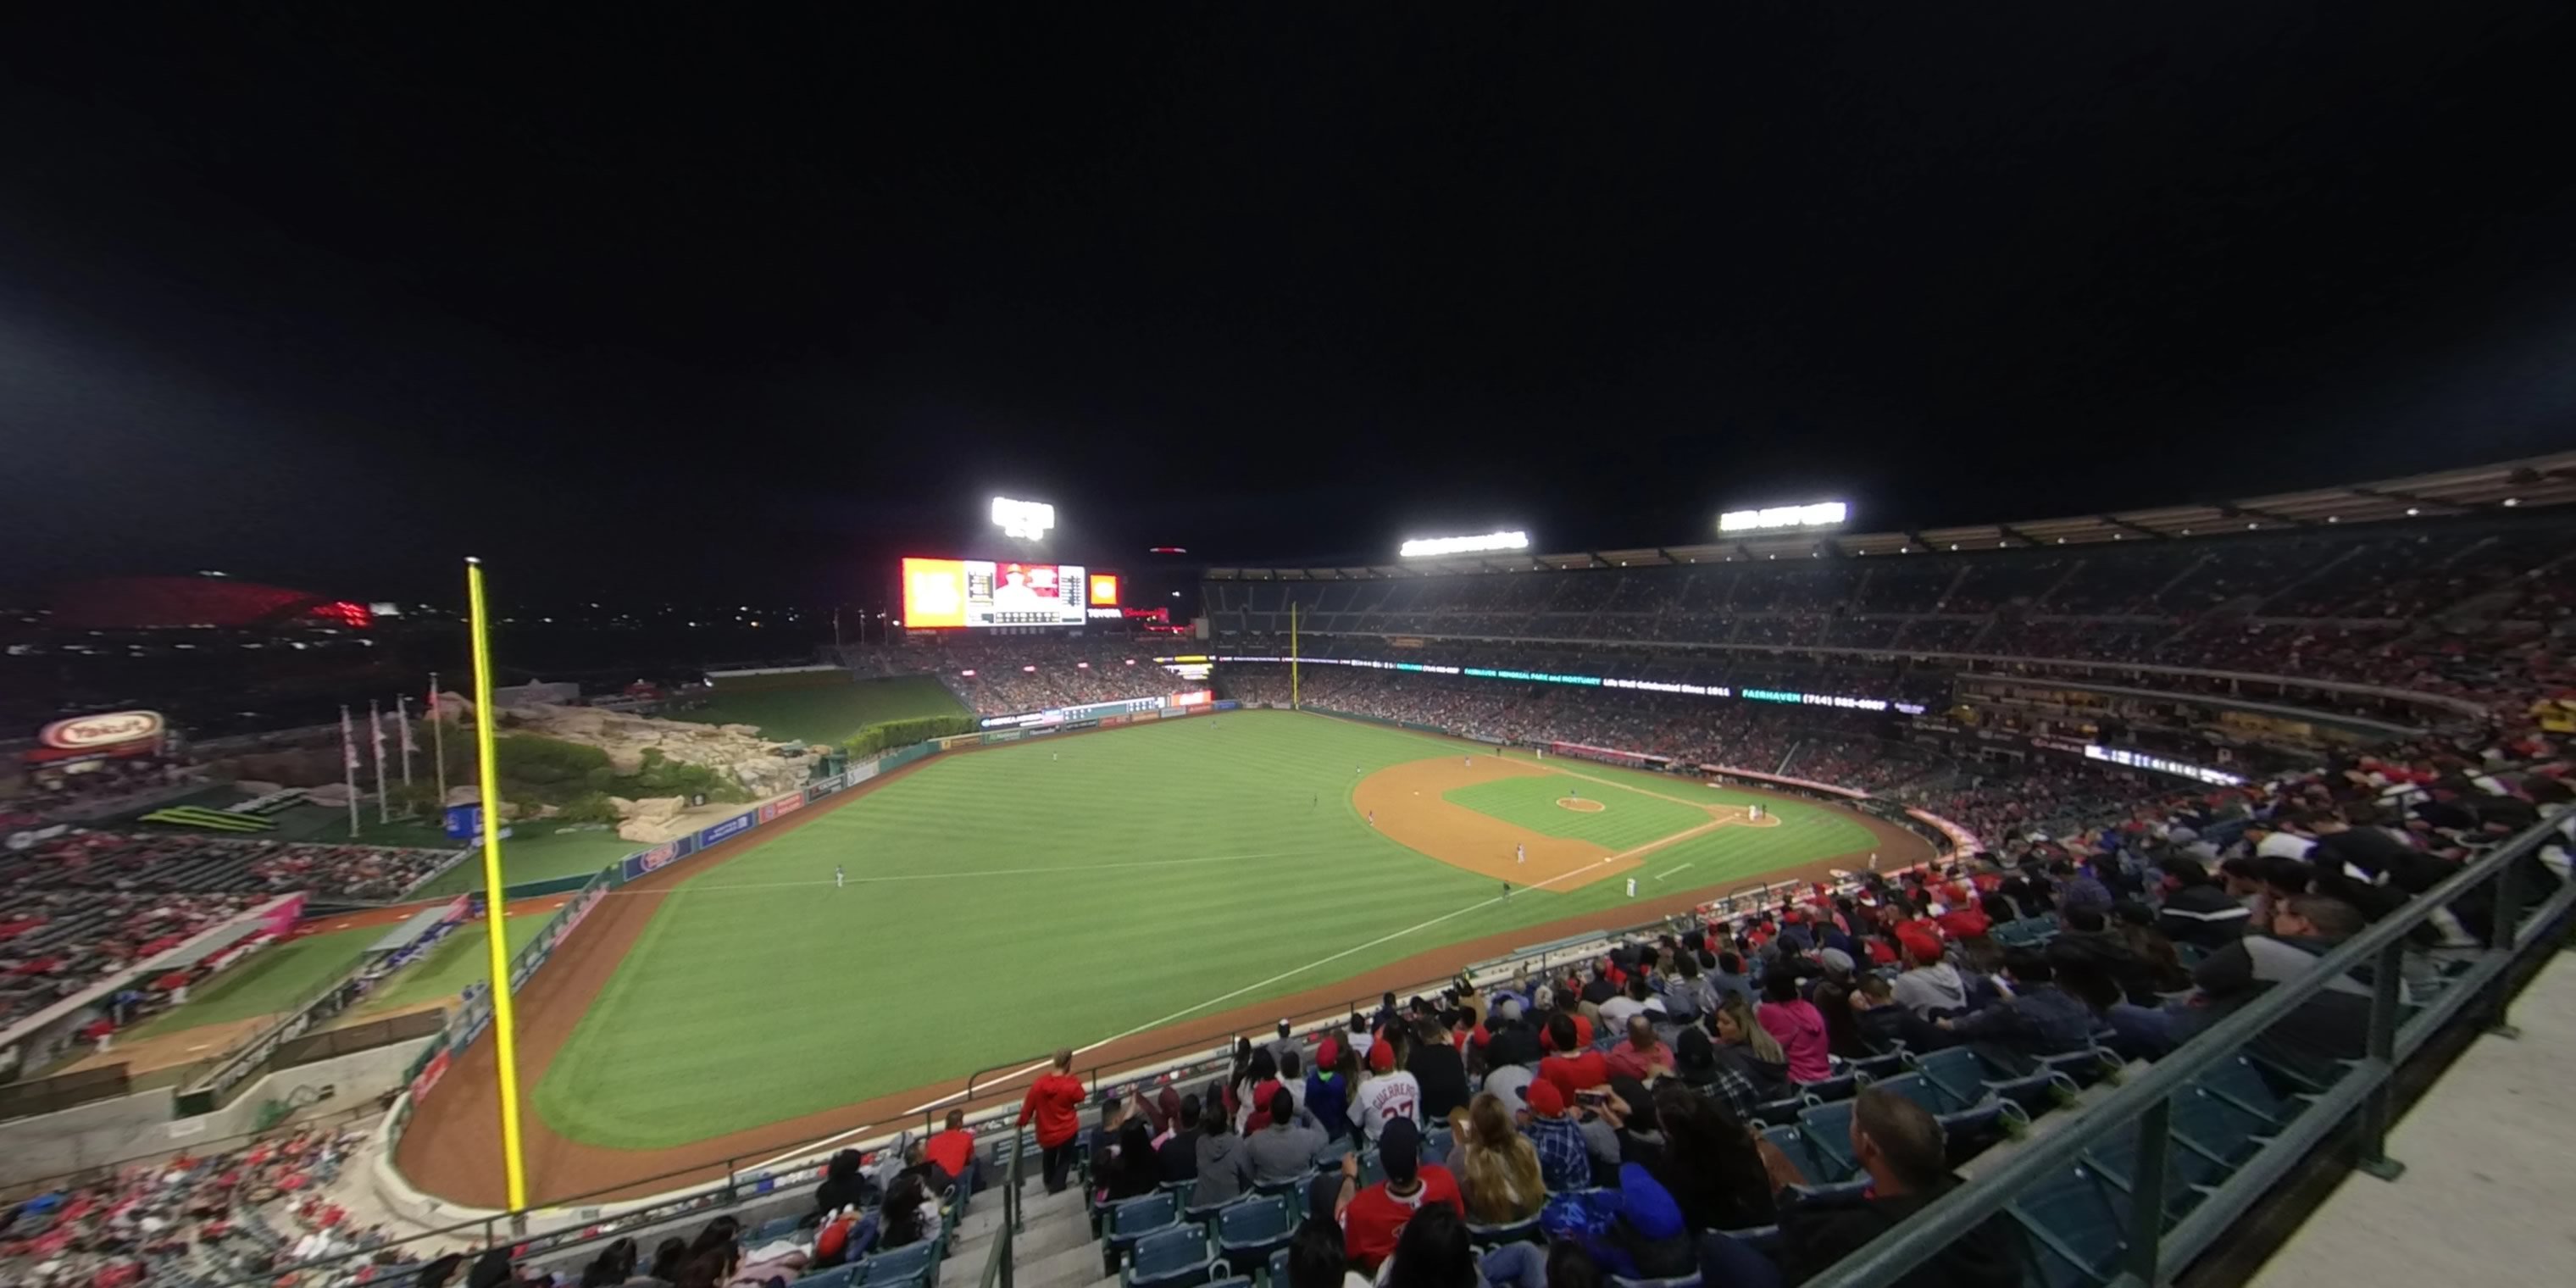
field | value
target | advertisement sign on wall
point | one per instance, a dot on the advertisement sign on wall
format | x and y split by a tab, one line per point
735	826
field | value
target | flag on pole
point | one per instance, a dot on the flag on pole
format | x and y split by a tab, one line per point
437	741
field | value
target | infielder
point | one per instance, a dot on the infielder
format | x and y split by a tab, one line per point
1520	853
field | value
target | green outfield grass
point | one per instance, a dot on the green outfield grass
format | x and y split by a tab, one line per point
534	852
274	980
1061	892
828	713
1626	819
459	960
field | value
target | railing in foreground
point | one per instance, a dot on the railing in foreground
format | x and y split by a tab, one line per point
997	1265
2154	1254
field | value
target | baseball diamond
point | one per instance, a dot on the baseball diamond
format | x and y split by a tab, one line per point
1046	871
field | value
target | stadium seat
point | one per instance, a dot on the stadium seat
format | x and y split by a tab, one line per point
910	1262
1785	1110
1964	1077
1206	1214
771	1231
1436	1143
2073	1226
1823	1151
1247	1233
2189	1173
1874	1067
1334	1151
837	1277
1277	1276
2243	1085
1172	1257
2216	1128
1841	1086
1137	1217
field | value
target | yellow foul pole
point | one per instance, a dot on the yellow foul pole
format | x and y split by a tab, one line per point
504	1033
1292	654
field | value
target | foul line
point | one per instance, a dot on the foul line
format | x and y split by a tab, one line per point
1291	973
987	872
1668	872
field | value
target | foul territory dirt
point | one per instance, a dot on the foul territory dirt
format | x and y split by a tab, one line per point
452	1146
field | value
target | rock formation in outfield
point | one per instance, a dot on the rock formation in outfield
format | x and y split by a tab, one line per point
738	751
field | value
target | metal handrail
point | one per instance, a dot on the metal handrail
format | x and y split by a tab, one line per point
2145	1099
997	1264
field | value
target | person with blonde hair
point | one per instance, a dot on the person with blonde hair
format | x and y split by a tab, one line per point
1497	1166
1748	1049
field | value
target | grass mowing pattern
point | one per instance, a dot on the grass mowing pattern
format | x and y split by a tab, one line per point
1048	893
273	980
459	960
1626	819
830	712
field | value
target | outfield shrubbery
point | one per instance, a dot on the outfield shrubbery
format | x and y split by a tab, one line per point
903	733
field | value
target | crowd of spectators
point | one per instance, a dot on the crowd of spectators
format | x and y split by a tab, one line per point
1815	744
176	862
218	1217
2462	610
1009	674
84	907
1617	1104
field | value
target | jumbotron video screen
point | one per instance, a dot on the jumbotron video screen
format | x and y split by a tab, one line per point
980	593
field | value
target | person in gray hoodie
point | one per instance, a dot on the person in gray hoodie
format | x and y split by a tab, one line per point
1285	1149
1931	987
1225	1159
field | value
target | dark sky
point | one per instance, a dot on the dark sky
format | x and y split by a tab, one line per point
745	301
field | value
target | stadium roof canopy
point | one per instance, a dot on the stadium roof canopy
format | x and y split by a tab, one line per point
2484	489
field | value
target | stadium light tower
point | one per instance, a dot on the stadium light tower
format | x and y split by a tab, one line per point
1026	520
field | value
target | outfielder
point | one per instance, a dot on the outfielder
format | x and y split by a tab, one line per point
840	876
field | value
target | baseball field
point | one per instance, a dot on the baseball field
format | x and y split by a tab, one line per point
1114	892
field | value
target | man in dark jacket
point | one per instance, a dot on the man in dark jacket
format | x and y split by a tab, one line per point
2087	940
2197	909
2036	1020
1900	1146
1513	1039
1442	1072
2332	1025
1178	1155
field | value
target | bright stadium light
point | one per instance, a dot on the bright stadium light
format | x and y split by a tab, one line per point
1027	520
1427	547
1822	514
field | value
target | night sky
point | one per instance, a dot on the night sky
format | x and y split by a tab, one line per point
745	302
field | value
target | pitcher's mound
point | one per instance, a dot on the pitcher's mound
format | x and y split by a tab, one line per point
1580	805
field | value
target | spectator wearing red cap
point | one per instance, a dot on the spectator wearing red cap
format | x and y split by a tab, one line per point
1328	1086
1563	1160
1389	1094
1584	1069
1930	986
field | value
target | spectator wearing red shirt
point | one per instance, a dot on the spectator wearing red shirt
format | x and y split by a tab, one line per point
1373	1218
1572	1073
1582	1025
954	1151
1052	1102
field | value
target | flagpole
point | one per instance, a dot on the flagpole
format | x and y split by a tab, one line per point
349	768
437	745
504	1029
402	727
376	736
1292	655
